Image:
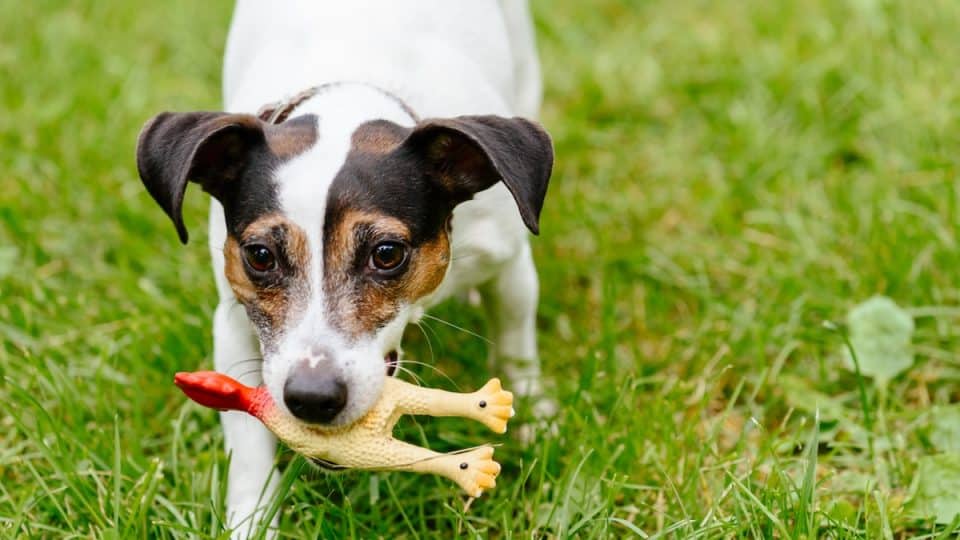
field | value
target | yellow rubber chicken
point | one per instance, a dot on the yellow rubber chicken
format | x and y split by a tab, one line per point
368	443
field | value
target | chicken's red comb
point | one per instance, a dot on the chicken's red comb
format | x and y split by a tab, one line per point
216	390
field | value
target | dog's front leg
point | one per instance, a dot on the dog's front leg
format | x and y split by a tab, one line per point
252	480
511	304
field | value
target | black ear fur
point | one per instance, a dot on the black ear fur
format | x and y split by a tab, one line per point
468	154
209	148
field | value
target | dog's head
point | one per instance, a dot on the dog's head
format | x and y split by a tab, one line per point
338	223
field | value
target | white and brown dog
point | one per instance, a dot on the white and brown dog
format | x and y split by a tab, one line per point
398	174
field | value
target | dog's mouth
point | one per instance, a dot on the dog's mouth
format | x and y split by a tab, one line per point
328	465
391	359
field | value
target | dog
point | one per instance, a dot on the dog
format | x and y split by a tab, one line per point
373	159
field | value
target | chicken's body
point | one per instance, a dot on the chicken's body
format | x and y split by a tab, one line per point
368	443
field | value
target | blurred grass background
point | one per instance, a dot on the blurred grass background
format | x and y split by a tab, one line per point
729	175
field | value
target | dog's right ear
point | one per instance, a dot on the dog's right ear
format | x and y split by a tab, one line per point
210	148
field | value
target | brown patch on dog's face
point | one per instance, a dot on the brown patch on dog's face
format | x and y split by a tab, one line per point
277	297
362	299
377	137
433	258
293	137
240	283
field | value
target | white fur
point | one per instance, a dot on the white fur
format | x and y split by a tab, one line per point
443	58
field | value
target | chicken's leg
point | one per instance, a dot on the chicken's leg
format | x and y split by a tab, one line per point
490	405
474	470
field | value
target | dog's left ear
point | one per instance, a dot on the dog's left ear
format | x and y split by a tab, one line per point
468	154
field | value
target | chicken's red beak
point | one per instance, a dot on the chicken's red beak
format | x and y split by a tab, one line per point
216	390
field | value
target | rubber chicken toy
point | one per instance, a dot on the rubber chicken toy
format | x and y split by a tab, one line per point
368	443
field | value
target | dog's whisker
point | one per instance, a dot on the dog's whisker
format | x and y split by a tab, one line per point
463	257
241	363
424	364
435	369
253	371
411	374
426	336
426	329
462	329
414	376
236	373
247	360
423	325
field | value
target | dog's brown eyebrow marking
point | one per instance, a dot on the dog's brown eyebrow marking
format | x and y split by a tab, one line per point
272	305
340	241
295	248
377	137
293	137
358	304
349	220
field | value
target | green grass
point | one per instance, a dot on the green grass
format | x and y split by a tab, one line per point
729	176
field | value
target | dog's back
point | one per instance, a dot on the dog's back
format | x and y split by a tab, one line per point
443	57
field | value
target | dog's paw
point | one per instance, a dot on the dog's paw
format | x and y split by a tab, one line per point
539	420
494	406
476	470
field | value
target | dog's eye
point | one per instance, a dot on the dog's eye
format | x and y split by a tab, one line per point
259	257
388	256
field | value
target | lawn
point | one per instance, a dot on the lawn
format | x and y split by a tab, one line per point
732	178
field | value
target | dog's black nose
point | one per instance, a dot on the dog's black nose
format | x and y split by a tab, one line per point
313	394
